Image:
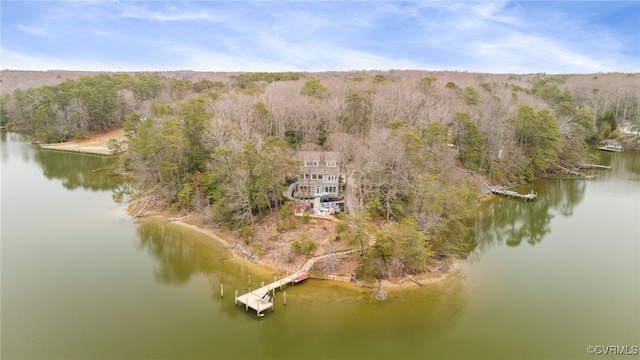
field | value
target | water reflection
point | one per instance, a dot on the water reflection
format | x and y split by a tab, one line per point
121	192
562	195
179	257
623	165
361	327
12	145
511	222
91	172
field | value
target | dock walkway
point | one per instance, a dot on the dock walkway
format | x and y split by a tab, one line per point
526	197
262	299
594	167
494	190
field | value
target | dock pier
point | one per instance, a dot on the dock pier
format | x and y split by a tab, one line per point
262	299
594	167
526	197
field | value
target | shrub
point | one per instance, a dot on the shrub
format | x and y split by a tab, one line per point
306	218
341	226
287	220
257	249
247	233
451	85
296	246
285	211
309	247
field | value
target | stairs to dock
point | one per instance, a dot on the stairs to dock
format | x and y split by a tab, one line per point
494	190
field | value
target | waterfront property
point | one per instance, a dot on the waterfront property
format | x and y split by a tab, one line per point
319	180
63	298
320	174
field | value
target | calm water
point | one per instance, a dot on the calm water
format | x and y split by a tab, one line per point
80	280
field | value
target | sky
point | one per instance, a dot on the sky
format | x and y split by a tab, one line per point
476	36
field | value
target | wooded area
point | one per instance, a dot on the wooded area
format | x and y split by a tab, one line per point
223	145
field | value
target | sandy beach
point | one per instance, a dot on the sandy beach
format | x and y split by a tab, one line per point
95	144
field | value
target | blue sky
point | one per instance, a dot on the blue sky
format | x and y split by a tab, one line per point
475	36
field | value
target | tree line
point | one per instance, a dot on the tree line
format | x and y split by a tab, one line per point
226	149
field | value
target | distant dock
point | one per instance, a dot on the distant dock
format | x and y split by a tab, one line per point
526	197
594	167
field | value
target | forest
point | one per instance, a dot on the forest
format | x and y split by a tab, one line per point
223	145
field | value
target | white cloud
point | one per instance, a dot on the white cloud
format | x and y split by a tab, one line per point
102	33
315	36
11	60
528	53
33	30
496	11
172	14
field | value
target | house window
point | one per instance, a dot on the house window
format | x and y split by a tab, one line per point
316	176
318	190
331	189
332	163
330	178
311	163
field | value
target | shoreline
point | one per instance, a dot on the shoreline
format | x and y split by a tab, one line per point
392	285
96	144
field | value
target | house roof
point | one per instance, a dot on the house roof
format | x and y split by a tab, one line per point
320	156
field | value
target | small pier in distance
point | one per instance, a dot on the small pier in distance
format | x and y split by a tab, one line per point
526	197
594	167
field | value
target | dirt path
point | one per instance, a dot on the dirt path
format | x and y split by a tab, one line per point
95	144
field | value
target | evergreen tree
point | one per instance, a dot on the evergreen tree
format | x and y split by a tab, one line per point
470	142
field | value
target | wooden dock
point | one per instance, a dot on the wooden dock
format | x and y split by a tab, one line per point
594	167
526	197
262	299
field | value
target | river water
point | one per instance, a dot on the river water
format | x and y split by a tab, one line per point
80	280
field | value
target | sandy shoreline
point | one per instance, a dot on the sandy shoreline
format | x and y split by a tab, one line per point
96	144
399	284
